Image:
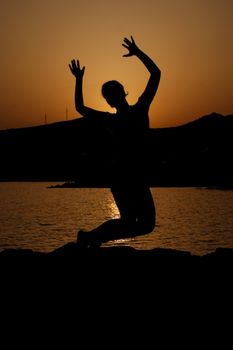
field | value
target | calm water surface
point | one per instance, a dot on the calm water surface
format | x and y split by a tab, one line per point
36	217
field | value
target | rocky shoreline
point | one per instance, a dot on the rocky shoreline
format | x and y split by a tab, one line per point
116	268
73	251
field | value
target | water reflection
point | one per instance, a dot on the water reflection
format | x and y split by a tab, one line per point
111	208
42	219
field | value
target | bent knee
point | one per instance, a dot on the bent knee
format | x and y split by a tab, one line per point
146	226
149	227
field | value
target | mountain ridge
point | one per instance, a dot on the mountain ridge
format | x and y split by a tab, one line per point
210	117
197	153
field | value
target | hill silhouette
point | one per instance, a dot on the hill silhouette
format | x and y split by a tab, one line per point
198	153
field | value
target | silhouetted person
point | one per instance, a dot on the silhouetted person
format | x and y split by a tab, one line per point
129	127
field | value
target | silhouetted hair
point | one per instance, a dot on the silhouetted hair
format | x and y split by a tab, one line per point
111	88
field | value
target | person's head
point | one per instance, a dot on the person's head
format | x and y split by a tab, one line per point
114	93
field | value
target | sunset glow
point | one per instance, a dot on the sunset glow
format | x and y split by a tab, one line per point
190	41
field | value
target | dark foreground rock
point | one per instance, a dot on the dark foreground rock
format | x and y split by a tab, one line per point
72	251
114	270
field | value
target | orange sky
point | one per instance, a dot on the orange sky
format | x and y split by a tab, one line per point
191	42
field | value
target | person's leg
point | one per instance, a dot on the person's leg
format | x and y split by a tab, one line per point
145	210
108	231
136	206
137	217
113	229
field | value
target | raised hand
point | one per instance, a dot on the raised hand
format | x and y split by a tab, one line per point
131	46
76	70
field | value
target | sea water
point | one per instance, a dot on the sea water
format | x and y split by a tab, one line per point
34	216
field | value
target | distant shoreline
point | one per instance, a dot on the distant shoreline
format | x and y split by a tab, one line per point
76	185
73	184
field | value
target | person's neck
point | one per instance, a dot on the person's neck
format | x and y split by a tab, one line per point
122	107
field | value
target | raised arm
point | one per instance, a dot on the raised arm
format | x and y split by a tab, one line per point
153	82
78	72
